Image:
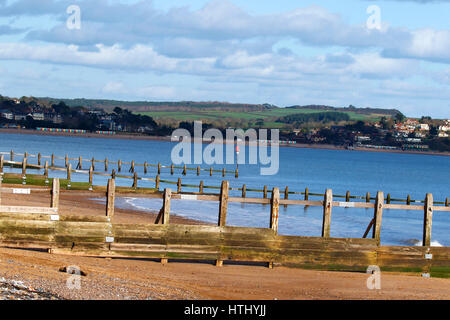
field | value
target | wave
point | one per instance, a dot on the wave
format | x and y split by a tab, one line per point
418	243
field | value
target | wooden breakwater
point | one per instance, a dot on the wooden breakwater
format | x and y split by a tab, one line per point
26	227
202	188
100	165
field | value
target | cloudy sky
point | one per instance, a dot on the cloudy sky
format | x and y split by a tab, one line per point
283	52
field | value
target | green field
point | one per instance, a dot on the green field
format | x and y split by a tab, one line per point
268	116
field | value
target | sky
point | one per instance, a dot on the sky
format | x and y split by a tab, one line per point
382	54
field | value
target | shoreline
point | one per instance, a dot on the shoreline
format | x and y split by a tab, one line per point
139	279
168	139
90	203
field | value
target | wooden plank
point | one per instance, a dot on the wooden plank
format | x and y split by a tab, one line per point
55	193
223	203
24	216
327	207
249	200
79	218
35	210
378	215
166	206
403	207
353	204
69	172
372	222
427	220
302	202
274	209
110	197
441	208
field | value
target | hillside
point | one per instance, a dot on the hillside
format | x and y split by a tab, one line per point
223	114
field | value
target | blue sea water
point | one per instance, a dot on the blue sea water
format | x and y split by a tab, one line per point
341	170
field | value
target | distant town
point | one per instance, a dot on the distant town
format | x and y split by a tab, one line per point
323	125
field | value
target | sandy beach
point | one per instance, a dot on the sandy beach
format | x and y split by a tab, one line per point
149	279
168	139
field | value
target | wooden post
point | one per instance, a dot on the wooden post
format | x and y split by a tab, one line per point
184	170
223	172
378	215
286	195
46	169
24	166
93	163
447	203
210	172
39	159
274	209
106	164
244	189
132	167
171	169
66	160
223	210
53	160
166	206
200	187
236	175
2	159
119	165
91	174
265	192
223	203
408	200
367	197
80	159
427	220
69	172
12	155
145	167
306	194
347	196
198	171
113	174
110	197
135	180
157	183
327	206
179	185
55	193
159	168
388	198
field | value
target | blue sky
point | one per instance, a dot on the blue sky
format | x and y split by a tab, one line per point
254	51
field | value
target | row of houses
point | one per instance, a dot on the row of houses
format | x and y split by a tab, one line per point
37	116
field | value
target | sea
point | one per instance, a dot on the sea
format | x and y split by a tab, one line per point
316	169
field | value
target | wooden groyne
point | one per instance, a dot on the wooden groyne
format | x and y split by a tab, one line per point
26	227
106	165
201	187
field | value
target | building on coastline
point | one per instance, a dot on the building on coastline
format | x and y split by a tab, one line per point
53	117
7	114
20	116
37	116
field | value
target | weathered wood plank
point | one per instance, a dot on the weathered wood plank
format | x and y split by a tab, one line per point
36	210
327	205
427	220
